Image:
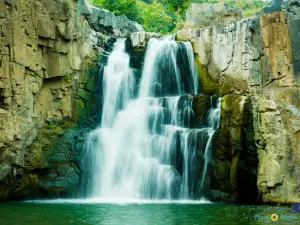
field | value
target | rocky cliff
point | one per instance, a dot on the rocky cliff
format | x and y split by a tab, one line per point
49	54
253	63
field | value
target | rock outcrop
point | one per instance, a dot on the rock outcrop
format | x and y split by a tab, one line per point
260	51
227	55
205	15
104	21
253	63
49	54
138	40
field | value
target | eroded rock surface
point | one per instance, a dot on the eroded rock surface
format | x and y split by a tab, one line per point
204	15
49	54
253	64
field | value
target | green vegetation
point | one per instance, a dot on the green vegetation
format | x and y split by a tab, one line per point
67	6
166	16
68	78
121	7
155	18
51	125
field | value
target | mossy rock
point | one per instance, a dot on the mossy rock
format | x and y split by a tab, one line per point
207	84
201	105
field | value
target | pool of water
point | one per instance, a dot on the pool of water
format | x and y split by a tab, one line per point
140	213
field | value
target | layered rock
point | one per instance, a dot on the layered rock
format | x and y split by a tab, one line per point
48	84
204	15
138	40
103	20
277	138
256	151
253	52
227	55
253	64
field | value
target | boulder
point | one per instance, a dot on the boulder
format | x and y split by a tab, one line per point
119	26
138	40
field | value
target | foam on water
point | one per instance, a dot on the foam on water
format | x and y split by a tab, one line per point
117	201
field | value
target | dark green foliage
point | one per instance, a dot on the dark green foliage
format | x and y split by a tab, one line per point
177	5
165	16
121	7
155	18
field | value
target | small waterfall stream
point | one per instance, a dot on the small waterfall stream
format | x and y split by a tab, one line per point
146	146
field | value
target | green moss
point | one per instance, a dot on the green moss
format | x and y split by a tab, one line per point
67	78
67	6
89	63
21	3
27	182
51	125
58	130
36	158
79	109
207	84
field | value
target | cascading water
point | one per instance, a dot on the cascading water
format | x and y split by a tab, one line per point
146	145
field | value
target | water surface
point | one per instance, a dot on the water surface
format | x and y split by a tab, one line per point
143	213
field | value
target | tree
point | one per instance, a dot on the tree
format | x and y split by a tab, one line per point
177	5
155	18
128	8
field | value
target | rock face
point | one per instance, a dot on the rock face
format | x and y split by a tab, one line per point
48	84
278	150
138	40
248	54
102	20
253	63
204	15
227	55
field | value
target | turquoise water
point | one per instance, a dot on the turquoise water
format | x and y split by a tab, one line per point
77	213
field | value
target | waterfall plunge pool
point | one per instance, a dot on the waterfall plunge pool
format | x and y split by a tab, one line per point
95	212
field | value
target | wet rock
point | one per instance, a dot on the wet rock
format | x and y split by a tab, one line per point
201	105
4	171
235	152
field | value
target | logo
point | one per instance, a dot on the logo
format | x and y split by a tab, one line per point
296	208
274	217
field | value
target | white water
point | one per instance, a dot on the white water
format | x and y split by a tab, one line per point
144	148
116	201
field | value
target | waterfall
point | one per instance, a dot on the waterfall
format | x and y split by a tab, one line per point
146	146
